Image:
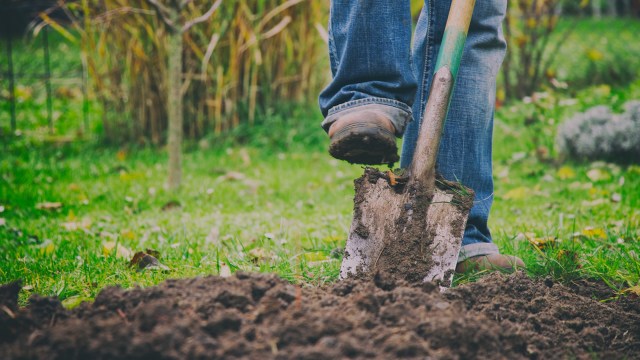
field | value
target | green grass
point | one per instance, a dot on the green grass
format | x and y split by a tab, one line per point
597	51
257	209
270	199
287	212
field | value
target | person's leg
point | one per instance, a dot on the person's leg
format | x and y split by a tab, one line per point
466	148
370	53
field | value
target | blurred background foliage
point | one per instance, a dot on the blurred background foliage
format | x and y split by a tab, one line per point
260	61
248	57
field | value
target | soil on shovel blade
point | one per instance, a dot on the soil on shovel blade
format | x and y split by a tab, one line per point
261	316
399	215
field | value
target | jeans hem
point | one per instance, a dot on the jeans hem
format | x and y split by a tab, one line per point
398	112
477	249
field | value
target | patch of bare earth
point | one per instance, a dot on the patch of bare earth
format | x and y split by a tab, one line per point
262	316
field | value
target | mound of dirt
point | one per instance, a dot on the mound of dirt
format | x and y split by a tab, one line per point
262	316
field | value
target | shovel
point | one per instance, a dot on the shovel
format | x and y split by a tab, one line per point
410	226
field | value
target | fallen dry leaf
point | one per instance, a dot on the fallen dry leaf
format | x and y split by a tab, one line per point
121	155
539	242
518	193
593	203
127	234
596	175
47	247
543	242
576	185
594	232
565	173
84	224
232	176
548	178
70	226
213	238
171	205
121	251
593	192
392	178
49	206
518	156
147	261
244	155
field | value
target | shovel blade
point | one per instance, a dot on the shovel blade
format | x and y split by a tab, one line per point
390	233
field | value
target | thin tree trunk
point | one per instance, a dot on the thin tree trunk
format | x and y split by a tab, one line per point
106	128
595	8
612	6
174	107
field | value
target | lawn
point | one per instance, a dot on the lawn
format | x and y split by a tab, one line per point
72	215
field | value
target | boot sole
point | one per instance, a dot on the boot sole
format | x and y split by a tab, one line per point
364	143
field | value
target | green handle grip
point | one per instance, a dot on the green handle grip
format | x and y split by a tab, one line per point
455	36
422	169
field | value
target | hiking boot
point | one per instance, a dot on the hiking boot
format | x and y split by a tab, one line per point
501	262
363	137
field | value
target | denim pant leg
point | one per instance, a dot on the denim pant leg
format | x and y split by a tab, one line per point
370	53
466	148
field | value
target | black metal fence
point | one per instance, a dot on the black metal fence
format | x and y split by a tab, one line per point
43	85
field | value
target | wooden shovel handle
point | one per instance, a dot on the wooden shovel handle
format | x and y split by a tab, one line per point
422	169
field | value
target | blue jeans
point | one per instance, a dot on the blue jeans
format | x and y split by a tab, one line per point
374	65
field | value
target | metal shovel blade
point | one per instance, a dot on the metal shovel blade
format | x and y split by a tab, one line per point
413	229
396	230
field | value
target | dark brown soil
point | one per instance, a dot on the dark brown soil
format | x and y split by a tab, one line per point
260	316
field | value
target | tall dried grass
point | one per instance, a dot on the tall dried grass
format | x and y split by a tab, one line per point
250	56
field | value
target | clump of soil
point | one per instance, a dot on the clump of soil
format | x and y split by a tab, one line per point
262	316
